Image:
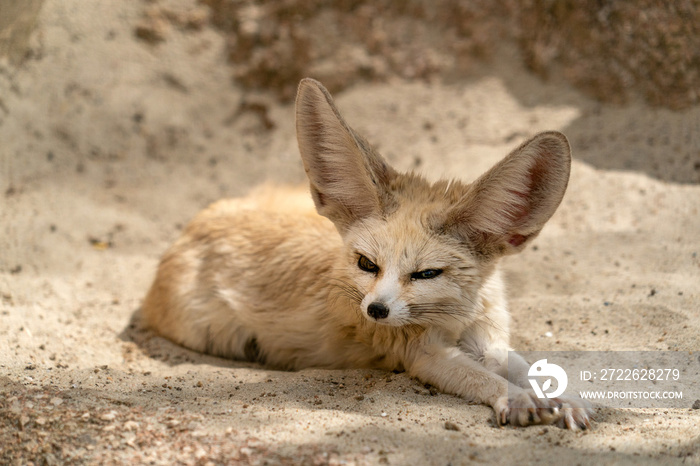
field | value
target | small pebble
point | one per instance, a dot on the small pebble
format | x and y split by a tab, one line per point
451	426
110	416
131	425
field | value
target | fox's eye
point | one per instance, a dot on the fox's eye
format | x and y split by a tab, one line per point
367	265
425	274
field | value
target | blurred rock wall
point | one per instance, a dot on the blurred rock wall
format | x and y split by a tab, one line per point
611	50
17	20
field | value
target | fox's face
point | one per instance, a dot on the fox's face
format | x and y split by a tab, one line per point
405	272
418	253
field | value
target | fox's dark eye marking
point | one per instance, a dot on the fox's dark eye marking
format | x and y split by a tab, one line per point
426	274
367	265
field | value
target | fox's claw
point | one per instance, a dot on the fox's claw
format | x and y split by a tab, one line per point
576	414
526	409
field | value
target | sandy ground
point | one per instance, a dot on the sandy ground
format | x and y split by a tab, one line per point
109	145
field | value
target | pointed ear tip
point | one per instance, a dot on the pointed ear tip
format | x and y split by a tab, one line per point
557	141
308	80
556	136
310	85
553	135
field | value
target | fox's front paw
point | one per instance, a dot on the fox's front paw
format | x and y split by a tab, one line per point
526	409
575	413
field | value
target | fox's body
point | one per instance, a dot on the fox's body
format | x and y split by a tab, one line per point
395	273
276	289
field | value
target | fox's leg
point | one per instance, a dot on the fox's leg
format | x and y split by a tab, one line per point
452	370
486	343
574	413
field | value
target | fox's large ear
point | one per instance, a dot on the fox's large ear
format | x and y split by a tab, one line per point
347	177
508	205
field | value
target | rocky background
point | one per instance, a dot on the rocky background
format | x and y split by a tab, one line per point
613	51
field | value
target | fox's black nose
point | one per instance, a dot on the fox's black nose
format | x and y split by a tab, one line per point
377	310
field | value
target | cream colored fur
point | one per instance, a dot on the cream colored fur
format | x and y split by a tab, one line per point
395	273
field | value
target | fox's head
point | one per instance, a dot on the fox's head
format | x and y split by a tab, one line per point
419	253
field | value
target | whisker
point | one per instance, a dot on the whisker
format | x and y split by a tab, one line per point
420	314
442	313
347	290
346	286
486	320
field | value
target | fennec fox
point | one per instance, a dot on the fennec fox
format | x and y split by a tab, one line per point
395	273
